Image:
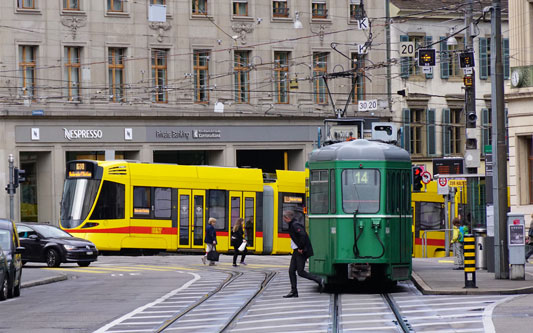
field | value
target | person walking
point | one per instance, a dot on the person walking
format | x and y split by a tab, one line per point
237	238
457	243
302	250
210	239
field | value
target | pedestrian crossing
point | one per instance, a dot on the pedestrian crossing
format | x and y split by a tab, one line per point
111	269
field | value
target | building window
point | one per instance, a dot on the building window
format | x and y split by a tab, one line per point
241	71
159	76
409	65
453	68
456	131
280	8
240	8
355	9
71	4
26	4
115	5
319	8
417	131
201	76
27	63
72	72
358	80
199	7
320	67
281	70
116	73
485	55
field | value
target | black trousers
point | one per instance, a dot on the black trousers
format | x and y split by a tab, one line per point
297	265
237	252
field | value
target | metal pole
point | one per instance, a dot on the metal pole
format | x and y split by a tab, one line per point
11	188
499	148
470	91
387	37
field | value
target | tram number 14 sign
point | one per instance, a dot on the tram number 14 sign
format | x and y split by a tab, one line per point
370	105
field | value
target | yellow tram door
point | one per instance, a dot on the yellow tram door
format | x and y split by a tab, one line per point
249	220
191	218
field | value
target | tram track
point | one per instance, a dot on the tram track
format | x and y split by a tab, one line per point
234	281
404	325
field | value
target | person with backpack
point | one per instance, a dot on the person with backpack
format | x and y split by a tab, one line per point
457	243
530	240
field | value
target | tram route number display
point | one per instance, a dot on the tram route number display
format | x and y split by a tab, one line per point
370	105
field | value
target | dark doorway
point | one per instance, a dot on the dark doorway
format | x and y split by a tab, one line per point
267	160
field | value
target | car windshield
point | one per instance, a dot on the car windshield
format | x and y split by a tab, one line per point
78	199
48	231
4	240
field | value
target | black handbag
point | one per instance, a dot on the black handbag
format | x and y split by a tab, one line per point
213	255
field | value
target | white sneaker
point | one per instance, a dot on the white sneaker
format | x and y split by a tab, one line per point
204	260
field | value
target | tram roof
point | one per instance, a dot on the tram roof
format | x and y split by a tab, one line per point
360	150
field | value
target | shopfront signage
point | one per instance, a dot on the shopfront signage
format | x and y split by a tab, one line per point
72	134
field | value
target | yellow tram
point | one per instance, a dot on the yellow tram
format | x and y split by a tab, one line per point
123	206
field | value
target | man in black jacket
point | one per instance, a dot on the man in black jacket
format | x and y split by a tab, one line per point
302	249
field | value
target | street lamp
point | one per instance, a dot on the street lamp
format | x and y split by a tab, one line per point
297	23
451	41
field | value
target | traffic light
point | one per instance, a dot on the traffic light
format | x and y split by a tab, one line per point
466	59
426	57
417	178
19	176
471	118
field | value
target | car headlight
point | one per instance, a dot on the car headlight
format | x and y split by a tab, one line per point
69	247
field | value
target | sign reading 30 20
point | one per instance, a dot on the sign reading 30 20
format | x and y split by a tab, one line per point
369	105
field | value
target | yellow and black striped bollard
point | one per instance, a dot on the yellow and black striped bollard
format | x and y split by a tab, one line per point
469	250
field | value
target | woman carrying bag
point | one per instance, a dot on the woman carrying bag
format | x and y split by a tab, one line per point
238	242
210	240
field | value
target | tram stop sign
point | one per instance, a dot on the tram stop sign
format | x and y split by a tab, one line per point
442	186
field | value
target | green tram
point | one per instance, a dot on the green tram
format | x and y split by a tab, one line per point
359	213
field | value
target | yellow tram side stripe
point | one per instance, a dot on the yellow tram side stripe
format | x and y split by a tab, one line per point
111	268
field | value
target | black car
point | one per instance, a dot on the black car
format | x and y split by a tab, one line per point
9	242
49	244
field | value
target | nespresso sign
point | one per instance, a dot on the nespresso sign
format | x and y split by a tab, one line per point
73	134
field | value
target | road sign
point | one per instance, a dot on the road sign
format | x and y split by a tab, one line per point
426	177
369	105
442	186
407	49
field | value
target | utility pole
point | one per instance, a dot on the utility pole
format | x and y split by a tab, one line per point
499	147
10	188
387	37
470	100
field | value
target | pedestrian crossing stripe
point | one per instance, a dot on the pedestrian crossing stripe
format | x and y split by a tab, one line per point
77	270
110	269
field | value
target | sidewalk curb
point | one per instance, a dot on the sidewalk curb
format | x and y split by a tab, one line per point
52	279
425	289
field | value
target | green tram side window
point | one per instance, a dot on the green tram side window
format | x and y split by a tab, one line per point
110	203
319	187
360	190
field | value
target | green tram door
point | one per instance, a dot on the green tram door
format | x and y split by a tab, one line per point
242	204
191	204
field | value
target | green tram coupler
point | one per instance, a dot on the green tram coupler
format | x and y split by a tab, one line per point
360	216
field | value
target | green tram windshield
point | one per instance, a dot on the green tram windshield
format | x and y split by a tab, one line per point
360	190
78	198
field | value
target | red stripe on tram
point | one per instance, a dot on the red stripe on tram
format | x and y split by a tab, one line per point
430	242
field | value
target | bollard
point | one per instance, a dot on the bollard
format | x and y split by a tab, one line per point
469	252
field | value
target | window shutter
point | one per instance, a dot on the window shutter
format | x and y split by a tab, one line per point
430	130
483	59
485	136
506	69
444	59
406	137
428	40
446	132
404	61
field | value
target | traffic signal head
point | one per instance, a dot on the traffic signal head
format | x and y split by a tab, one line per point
426	57
417	178
471	119
466	59
19	176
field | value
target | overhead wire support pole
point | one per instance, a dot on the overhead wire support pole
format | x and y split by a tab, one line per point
499	148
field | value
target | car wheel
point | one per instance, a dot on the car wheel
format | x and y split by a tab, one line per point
84	263
52	258
4	291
